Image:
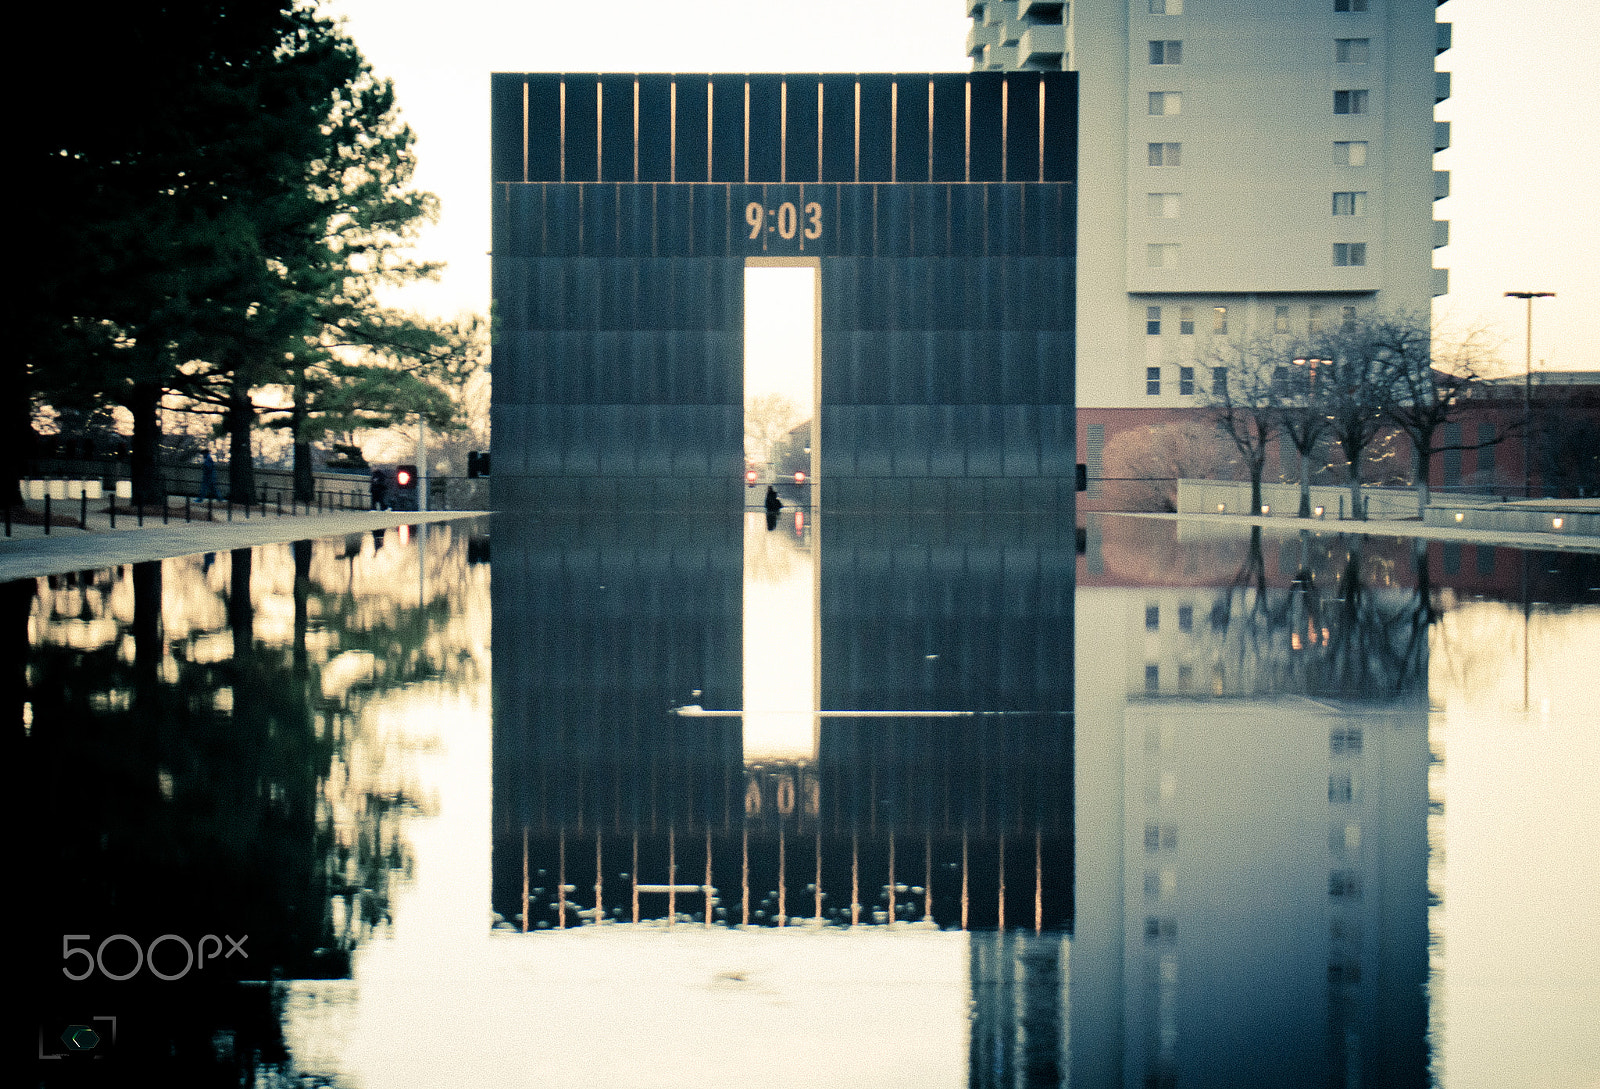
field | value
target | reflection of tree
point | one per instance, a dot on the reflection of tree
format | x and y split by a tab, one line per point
1328	633
772	557
201	769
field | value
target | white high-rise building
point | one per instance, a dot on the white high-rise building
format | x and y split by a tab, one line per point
1244	166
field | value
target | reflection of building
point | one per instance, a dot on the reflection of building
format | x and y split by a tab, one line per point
1251	869
1254	168
941	787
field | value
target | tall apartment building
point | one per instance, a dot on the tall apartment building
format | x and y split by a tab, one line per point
1245	166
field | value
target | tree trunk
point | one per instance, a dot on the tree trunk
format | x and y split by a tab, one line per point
305	486
1305	484
145	405
241	469
16	442
1353	472
1424	469
1255	487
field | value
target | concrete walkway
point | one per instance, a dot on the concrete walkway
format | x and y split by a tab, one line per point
1227	524
29	552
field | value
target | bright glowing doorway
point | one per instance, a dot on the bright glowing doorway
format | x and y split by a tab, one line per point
781	371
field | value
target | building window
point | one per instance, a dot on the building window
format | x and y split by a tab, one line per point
1351	50
1349	5
1314	326
1152	381
1152	321
1186	381
1280	319
1350	102
1166	7
1162	205
1280	381
1166	52
1347	314
1186	321
1349	204
1152	678
1165	154
1152	617
1186	618
1165	103
1219	381
1349	253
1161	255
1349	153
1219	319
1344	739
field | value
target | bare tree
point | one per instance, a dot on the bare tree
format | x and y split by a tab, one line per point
1354	388
1244	400
1151	459
1302	419
1429	383
768	418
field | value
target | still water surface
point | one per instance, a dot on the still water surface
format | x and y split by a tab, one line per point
931	802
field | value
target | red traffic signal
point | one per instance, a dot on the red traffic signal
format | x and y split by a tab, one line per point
799	476
750	476
405	476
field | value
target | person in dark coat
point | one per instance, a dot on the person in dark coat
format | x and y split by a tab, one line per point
208	476
380	489
774	504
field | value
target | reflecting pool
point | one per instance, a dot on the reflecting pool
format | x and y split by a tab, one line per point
933	801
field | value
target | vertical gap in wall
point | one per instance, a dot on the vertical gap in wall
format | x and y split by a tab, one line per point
780	377
780	570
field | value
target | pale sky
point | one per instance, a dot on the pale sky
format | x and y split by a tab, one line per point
1524	162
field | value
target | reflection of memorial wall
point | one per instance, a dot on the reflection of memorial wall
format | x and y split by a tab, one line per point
957	811
1252	896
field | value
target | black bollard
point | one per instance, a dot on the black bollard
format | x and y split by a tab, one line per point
112	507
139	514
164	510
186	510
47	513
230	508
83	508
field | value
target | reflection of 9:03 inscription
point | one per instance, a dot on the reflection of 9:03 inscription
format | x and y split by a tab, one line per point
784	220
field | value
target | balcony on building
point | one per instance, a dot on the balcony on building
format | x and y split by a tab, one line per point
1042	47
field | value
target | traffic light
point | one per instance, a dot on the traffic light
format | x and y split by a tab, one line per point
477	464
405	487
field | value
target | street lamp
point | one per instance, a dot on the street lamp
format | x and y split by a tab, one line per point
1527	387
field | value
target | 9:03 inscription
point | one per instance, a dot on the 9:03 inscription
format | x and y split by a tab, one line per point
784	220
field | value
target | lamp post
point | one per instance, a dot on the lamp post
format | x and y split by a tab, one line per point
1527	388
